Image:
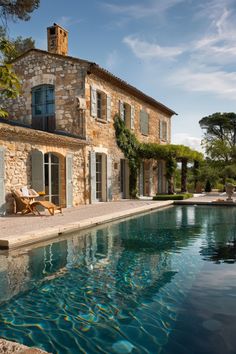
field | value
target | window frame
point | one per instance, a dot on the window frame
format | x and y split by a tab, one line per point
43	99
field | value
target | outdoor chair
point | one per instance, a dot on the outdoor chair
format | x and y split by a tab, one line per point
51	207
22	202
26	203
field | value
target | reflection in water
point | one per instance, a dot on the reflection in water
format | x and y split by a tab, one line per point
118	287
220	252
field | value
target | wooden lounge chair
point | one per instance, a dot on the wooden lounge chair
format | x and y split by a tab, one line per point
26	203
45	204
22	202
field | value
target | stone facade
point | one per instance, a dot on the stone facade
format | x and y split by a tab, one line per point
86	99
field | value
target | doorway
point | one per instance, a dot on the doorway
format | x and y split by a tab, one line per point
51	177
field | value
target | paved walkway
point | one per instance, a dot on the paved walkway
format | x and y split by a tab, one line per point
19	230
212	198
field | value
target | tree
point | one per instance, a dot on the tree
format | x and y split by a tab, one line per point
220	136
220	126
17	9
9	83
17	46
11	9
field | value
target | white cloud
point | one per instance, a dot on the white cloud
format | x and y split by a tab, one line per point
137	11
219	82
185	139
146	50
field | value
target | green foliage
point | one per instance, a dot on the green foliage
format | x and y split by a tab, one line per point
17	46
135	151
17	9
173	197
9	83
208	186
220	126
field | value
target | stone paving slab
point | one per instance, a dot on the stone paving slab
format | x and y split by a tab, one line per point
208	199
8	347
20	230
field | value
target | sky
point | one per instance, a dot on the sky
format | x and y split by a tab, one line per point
180	52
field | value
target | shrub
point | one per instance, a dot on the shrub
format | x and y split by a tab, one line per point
173	196
208	186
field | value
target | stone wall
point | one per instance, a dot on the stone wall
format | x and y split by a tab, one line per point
102	134
38	68
71	80
20	142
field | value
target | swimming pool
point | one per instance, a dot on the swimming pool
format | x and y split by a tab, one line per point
162	283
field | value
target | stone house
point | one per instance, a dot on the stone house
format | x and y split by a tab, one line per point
59	136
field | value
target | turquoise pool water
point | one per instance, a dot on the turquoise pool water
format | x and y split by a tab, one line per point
159	283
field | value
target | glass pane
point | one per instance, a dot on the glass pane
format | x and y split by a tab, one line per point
46	158
54	159
50	108
38	96
46	179
55	199
99	105
38	110
50	94
54	179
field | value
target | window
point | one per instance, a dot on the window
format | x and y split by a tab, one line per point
51	177
100	105
163	130
43	108
127	114
144	122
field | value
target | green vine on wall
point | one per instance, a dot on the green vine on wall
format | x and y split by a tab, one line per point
135	151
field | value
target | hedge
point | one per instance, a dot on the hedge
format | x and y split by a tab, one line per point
173	196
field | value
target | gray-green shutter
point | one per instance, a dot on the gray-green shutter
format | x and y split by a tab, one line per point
121	110
93	176
108	108
2	180
160	129
37	158
93	100
144	122
160	176
69	180
109	178
141	179
132	115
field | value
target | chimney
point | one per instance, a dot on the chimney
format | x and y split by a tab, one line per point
57	40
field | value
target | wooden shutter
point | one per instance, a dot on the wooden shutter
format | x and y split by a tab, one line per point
38	122
93	100
121	110
51	123
132	115
69	180
144	118
141	179
93	176
2	180
37	159
160	177
109	178
108	108
165	130
160	129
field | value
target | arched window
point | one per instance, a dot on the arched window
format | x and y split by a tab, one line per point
43	108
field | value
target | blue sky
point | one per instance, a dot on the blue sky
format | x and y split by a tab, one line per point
181	52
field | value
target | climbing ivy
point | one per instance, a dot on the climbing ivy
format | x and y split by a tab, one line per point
135	151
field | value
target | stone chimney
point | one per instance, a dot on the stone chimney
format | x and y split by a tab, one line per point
57	40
